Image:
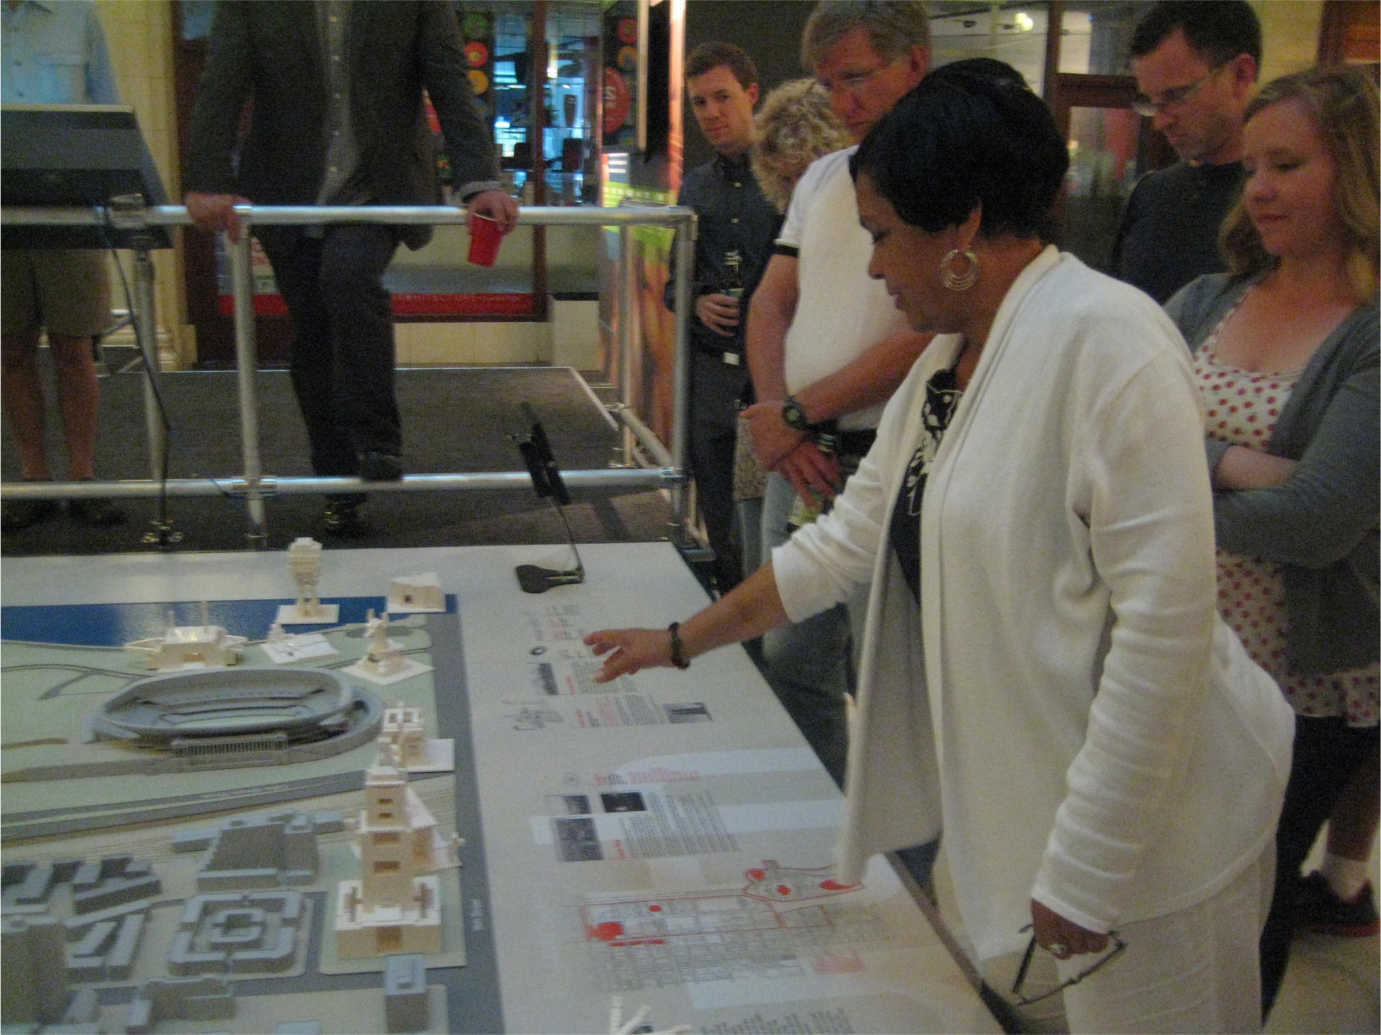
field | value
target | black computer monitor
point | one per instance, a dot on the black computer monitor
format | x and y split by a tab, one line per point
75	155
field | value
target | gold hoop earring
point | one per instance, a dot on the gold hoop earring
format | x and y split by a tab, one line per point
959	281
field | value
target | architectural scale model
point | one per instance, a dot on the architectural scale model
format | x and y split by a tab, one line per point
383	661
402	727
395	905
35	990
383	658
190	646
227	719
413	594
304	562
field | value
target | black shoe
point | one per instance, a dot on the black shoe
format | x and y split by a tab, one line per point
95	512
376	466
18	514
343	519
1317	908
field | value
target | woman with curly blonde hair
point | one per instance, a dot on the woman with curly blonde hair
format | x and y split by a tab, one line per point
1286	356
795	125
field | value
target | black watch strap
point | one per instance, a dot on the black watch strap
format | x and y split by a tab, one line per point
794	415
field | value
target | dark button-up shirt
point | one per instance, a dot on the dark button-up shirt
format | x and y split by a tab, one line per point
734	216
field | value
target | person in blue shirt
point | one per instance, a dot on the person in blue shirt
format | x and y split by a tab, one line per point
53	53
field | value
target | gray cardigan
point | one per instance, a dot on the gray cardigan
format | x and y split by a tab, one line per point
1322	523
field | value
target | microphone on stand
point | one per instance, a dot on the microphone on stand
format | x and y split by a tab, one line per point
546	481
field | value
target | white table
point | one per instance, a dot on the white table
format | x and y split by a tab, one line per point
669	838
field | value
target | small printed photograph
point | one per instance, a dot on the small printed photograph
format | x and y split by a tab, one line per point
568	804
576	840
693	711
623	801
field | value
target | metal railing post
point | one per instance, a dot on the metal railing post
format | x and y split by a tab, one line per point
146	336
681	383
625	335
246	363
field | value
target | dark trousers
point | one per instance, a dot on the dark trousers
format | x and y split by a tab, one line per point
342	349
715	391
1327	753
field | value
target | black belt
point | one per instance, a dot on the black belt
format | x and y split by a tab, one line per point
725	356
856	443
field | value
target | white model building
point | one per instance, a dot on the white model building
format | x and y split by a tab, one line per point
411	594
395	905
383	657
304	562
190	646
402	728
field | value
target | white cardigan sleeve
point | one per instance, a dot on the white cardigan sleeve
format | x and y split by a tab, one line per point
826	561
1151	537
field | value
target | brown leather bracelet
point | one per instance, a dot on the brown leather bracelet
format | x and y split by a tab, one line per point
678	649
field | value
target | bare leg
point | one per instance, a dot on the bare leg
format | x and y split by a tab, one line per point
1352	831
79	400
21	390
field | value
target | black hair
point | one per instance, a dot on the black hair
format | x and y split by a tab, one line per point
711	55
1216	30
972	133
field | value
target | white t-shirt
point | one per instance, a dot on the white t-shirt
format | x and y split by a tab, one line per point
840	312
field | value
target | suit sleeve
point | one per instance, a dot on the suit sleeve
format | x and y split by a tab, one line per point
469	142
225	85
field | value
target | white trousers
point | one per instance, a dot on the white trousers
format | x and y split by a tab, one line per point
1197	970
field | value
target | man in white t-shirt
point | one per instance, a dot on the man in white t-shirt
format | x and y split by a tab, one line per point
826	346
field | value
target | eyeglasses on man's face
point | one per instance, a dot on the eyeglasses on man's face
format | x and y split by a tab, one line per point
1023	996
1175	97
852	83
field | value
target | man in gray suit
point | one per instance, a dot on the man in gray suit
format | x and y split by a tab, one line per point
336	118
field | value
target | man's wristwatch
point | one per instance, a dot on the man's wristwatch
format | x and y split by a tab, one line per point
794	415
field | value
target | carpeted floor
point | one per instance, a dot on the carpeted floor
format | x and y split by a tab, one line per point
455	420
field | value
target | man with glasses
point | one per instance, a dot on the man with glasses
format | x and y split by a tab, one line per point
1195	65
826	346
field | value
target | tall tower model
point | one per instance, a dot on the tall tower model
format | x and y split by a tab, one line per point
395	905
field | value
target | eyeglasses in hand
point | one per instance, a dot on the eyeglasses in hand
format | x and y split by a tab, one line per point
1020	996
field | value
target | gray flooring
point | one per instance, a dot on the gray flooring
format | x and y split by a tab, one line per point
455	420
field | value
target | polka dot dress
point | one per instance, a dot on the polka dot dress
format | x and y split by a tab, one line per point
1241	408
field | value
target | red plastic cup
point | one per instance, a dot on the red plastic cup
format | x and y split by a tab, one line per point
484	240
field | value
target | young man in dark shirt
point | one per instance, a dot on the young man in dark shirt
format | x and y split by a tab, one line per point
1195	65
737	227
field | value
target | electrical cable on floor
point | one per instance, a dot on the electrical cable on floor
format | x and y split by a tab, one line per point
162	534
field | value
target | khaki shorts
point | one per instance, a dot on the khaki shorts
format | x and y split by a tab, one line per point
65	291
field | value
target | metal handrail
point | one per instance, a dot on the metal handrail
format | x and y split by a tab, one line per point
254	486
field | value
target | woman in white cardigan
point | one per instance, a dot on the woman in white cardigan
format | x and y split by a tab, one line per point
1043	673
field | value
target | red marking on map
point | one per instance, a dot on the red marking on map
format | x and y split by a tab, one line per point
773	882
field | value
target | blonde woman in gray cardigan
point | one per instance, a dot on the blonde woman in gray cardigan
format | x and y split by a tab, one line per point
1285	353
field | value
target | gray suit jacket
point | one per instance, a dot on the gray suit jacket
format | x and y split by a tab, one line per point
269	54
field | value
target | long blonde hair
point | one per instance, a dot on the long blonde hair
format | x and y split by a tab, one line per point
1343	102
